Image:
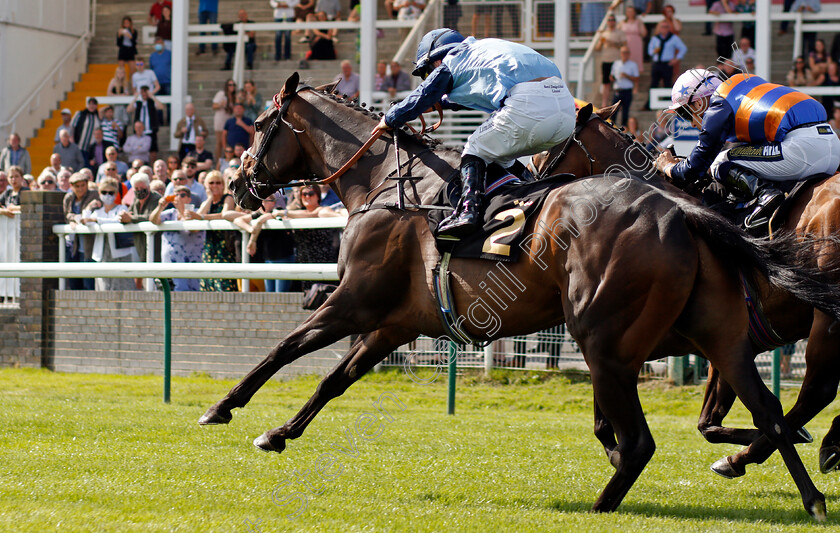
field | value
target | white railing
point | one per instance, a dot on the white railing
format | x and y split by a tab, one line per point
9	253
150	229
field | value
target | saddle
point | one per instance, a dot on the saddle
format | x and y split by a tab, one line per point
736	211
507	205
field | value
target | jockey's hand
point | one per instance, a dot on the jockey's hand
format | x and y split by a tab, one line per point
382	126
665	162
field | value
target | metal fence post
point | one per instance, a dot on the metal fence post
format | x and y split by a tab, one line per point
453	363
776	371
167	339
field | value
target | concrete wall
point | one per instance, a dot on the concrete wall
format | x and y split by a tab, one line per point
221	334
34	36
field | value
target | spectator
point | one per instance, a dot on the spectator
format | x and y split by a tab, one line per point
303	9
744	51
66	119
180	178
348	81
747	28
250	44
479	10
110	247
118	86
139	145
203	156
10	199
609	42
591	15
668	14
62	178
635	33
208	13
321	45
252	100
223	106
156	12
831	78
126	43
96	150
15	155
173	163
158	187
224	162
269	247
624	74
187	129
330	8
71	155
179	246
79	247
783	27
397	81
161	63
31	182
411	9
284	11
800	75
239	129
144	78
632	126
144	203
109	170
806	7
145	110
818	59
835	121
160	171
47	181
219	246
112	129
111	159
379	77
724	31
83	125
164	27
665	50
314	245
4	182
55	162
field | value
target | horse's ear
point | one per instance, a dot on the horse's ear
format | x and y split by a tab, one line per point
290	88
327	88
606	112
583	114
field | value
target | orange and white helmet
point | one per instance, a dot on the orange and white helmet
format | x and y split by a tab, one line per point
692	85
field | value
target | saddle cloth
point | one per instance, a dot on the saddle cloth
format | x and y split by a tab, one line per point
506	206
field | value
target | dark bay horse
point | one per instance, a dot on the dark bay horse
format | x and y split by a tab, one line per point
623	264
816	213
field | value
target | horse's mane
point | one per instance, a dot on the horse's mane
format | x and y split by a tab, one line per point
627	137
405	134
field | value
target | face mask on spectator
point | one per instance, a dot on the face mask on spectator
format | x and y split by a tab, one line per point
141	194
158	47
107	199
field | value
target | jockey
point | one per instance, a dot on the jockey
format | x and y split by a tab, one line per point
782	132
531	108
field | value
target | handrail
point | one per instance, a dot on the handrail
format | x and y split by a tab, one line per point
197	225
48	77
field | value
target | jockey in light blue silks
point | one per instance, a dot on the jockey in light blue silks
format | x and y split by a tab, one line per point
531	108
782	135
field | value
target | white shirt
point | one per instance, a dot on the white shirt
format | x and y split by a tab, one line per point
110	217
147	78
284	12
630	68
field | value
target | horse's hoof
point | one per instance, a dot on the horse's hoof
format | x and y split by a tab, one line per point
724	467
264	443
214	416
817	510
804	436
829	459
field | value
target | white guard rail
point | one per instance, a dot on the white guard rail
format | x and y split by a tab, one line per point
191	225
10	253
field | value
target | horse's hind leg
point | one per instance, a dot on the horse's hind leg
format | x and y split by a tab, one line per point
362	356
718	400
605	434
323	327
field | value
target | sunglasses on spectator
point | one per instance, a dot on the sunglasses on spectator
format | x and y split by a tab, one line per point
183	195
108	192
231	85
310	193
179	179
47	182
214	183
109	169
190	165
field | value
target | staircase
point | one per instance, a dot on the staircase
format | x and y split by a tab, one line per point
93	83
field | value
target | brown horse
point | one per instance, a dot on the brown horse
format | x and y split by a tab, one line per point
583	266
816	213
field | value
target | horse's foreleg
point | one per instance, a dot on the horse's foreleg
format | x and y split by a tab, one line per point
324	327
718	400
365	353
605	434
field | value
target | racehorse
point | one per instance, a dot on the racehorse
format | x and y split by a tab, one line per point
601	148
582	266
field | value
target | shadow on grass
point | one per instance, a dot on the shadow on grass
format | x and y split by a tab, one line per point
710	512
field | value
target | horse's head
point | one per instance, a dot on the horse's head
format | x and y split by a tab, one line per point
594	148
259	176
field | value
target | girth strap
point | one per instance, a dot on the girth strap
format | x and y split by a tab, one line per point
446	305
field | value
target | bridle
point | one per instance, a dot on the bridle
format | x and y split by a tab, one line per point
255	186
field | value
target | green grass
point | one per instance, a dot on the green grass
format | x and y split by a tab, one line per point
103	453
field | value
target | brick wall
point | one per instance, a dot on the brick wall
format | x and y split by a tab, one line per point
9	343
221	334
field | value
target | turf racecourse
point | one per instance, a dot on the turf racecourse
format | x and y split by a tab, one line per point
103	453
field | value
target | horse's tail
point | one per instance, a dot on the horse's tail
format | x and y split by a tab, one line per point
787	261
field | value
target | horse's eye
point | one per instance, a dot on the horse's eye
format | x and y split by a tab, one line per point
258	125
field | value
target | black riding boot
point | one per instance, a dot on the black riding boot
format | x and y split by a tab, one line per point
466	219
750	186
521	171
